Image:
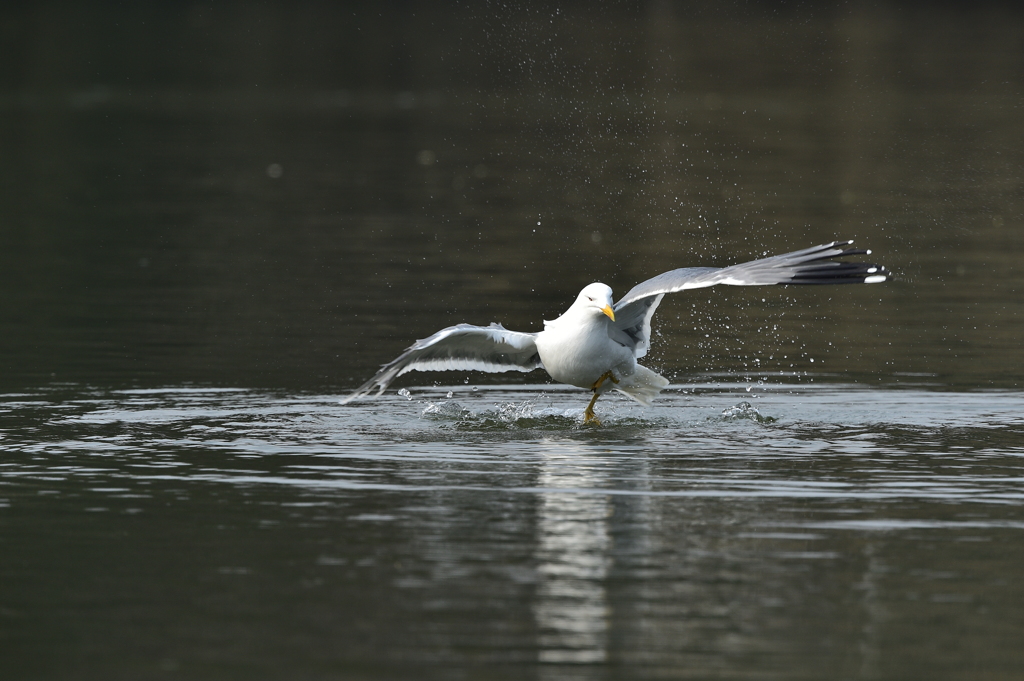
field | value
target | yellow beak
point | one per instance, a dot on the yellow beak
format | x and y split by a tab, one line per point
607	309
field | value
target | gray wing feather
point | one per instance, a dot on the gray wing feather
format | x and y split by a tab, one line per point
815	265
632	325
462	347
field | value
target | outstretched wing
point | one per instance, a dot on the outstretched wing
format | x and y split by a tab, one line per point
462	347
815	265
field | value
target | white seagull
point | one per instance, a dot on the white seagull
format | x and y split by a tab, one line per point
595	345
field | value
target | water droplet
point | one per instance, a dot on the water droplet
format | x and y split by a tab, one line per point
405	393
449	395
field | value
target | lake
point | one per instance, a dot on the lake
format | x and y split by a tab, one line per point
217	222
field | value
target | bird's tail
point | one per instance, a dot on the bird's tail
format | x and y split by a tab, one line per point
643	386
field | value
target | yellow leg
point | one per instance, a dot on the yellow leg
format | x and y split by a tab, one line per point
588	413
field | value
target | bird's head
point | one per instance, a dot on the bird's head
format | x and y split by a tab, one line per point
596	298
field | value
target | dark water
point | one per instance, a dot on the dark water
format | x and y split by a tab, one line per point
214	222
831	532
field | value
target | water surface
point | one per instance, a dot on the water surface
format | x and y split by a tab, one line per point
820	532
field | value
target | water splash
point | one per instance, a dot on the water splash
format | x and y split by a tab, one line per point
511	412
504	415
446	411
746	411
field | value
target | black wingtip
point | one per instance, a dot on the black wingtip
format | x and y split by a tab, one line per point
831	272
826	269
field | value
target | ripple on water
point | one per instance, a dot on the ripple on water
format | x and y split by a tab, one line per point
699	422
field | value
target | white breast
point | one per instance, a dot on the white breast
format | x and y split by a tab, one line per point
578	351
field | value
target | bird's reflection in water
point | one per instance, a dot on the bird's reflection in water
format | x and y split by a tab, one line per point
573	557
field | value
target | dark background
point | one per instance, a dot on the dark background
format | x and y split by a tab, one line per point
287	195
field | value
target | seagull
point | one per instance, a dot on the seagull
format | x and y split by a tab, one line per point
595	345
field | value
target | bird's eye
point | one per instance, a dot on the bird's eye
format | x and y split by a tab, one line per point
590	299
